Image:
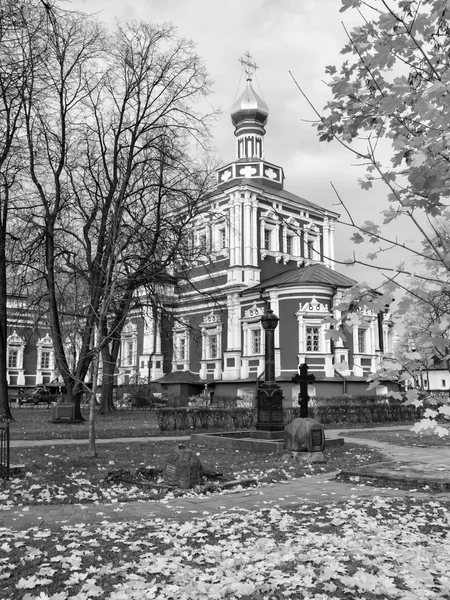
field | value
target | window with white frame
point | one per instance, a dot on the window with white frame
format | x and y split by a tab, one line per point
289	244
13	358
362	340
255	341
180	355
180	347
201	238
213	346
312	334
15	350
211	328
444	383
222	238
45	354
129	345
267	238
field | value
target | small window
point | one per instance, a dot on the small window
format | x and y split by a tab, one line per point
202	241
45	359
267	239
313	339
222	238
310	250
181	349
256	341
444	383
130	352
362	341
289	244
13	358
213	346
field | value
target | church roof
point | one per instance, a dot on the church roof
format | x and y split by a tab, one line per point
316	273
180	377
258	183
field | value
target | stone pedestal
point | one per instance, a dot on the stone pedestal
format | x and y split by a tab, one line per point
304	435
269	408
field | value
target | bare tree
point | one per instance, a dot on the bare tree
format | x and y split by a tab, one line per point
116	172
14	75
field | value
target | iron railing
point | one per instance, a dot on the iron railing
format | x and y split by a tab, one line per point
4	450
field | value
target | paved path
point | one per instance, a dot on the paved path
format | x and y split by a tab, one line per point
317	488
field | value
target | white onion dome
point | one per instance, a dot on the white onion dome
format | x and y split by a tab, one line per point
249	107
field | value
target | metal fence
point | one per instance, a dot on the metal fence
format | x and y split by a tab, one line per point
4	450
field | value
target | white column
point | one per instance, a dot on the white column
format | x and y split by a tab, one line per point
254	232
276	233
331	245
233	323
372	336
247	237
301	334
326	242
232	231
305	244
238	234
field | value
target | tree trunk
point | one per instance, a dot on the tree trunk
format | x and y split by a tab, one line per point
5	411
109	366
92	403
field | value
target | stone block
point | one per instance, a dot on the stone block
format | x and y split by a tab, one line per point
306	458
183	469
304	435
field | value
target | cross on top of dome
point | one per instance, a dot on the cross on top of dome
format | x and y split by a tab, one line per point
250	67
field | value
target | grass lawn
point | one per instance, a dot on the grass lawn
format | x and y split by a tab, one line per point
402	438
33	423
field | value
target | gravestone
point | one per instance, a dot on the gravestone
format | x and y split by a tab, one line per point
304	435
183	469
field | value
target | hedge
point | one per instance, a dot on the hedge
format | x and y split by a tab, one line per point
182	419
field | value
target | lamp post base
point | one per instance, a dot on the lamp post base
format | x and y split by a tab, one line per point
269	407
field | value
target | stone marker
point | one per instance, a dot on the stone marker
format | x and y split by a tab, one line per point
304	435
183	469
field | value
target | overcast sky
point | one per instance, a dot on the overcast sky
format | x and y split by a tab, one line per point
301	36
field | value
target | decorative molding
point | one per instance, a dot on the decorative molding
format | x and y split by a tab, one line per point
45	341
314	306
181	323
129	328
254	312
15	339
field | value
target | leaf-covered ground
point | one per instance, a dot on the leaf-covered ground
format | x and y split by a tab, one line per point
402	438
366	549
66	474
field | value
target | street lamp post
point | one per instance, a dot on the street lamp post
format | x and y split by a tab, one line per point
269	395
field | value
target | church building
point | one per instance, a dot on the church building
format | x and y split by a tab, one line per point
268	248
